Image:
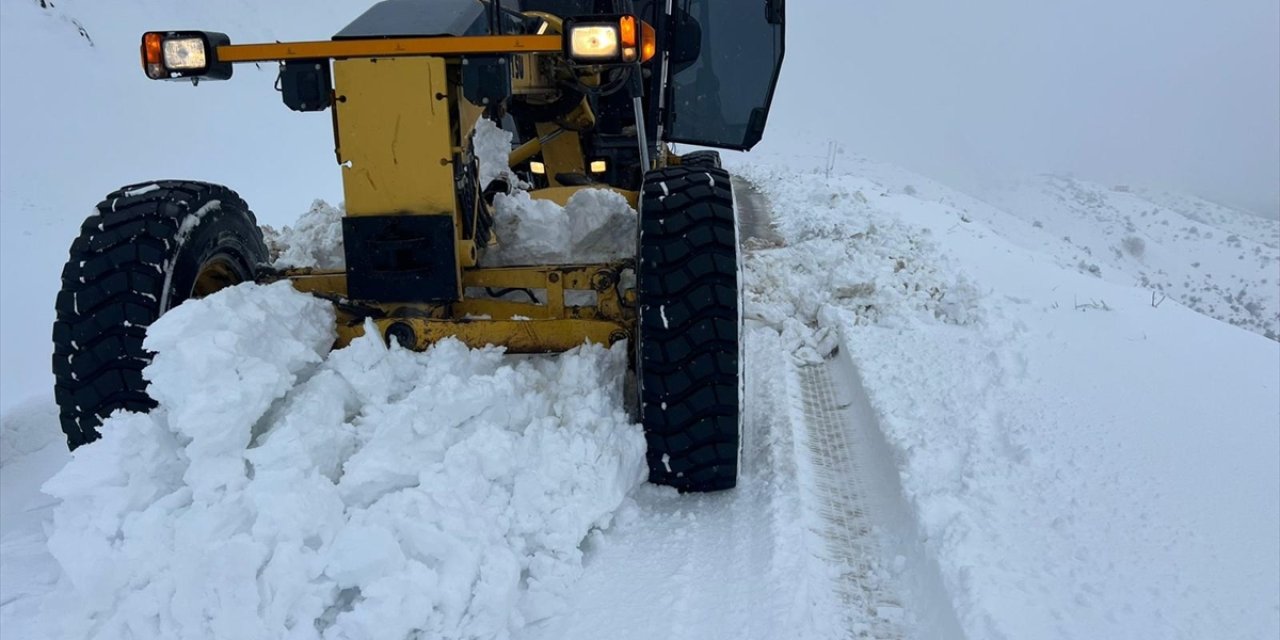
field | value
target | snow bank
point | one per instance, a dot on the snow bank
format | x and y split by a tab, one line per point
847	254
281	491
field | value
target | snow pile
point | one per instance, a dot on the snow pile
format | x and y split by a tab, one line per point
595	225
847	255
368	493
314	241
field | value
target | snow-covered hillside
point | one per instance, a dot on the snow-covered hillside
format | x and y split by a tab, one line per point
966	417
1218	261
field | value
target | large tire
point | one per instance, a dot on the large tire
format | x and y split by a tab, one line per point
688	344
701	159
148	248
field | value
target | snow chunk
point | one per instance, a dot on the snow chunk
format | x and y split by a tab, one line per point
492	148
315	241
596	225
376	492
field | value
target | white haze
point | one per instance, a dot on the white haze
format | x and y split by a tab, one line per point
1173	93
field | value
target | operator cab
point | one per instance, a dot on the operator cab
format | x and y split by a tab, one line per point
722	98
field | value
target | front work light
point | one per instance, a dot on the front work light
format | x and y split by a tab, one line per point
591	42
617	39
179	55
184	54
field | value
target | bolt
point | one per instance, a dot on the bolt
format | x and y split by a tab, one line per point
601	281
553	277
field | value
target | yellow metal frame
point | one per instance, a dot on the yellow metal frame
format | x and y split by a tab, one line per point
389	47
517	336
522	327
393	136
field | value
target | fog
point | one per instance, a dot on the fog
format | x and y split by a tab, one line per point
1175	93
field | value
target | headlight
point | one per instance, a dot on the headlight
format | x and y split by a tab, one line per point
178	55
185	54
616	39
593	42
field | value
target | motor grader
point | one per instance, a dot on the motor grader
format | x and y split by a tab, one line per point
595	93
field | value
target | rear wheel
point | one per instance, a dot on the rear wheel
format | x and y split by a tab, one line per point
145	250
687	354
701	159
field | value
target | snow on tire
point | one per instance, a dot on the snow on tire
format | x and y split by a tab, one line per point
146	249
687	355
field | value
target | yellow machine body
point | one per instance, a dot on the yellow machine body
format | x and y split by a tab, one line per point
401	126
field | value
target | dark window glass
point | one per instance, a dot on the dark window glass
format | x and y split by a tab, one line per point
722	99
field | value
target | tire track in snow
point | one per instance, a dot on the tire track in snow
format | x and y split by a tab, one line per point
840	493
753	215
889	586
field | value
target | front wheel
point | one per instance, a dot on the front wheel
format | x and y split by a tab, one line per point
146	249
688	345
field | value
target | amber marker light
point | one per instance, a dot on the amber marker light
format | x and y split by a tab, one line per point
152	56
628	31
648	41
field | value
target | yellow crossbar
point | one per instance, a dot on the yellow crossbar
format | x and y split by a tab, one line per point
389	47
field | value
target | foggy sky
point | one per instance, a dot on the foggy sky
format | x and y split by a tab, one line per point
1176	93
